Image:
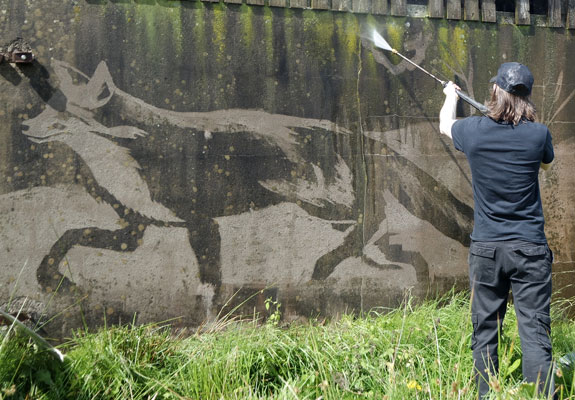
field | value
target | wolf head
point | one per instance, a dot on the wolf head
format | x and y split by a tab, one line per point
82	96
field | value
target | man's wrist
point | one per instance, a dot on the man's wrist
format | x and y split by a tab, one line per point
452	96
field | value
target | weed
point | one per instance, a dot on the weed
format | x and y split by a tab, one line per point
413	352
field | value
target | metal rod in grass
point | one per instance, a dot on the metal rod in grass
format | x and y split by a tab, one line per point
39	340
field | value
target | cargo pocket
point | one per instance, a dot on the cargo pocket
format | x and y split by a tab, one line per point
474	321
533	262
544	330
481	263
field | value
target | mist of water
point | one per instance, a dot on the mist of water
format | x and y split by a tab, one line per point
380	42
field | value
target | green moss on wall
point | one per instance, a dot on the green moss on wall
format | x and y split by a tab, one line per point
270	82
551	54
442	41
347	31
268	20
160	26
199	29
219	30
370	65
395	33
459	47
288	29
488	55
453	47
247	25
520	34
395	36
318	29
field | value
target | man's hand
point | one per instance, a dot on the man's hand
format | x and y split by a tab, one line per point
450	89
447	113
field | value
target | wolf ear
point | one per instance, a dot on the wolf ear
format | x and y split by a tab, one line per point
86	92
100	88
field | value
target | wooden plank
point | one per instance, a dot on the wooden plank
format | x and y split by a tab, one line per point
399	7
471	10
256	2
298	4
341	5
320	4
570	15
379	7
361	6
488	13
453	9
522	14
278	3
436	9
234	1
554	14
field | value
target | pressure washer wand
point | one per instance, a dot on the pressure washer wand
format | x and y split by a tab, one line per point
380	42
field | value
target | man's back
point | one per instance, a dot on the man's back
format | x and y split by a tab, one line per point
504	160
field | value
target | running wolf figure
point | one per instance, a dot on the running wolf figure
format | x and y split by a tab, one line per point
208	164
187	168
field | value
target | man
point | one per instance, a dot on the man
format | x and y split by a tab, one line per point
508	245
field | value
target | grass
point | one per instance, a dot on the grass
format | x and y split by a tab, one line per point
413	352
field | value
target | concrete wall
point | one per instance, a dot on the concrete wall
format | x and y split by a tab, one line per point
162	157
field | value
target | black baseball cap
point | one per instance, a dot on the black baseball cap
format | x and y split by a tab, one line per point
514	78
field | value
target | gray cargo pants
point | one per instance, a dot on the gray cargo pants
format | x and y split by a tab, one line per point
525	268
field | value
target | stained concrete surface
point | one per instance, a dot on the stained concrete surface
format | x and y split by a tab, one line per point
158	161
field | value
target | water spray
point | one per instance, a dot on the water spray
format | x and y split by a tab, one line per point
380	42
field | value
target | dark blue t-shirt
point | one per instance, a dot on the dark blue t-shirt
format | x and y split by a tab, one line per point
504	160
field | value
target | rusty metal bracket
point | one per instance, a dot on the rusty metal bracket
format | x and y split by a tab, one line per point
17	51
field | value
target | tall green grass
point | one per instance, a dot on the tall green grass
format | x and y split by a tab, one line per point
413	352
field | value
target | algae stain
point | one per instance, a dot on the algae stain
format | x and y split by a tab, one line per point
270	84
520	42
269	33
177	29
219	30
453	48
348	41
161	26
459	45
145	17
219	34
347	32
443	48
552	63
370	64
318	29
247	25
351	34
199	30
288	29
395	35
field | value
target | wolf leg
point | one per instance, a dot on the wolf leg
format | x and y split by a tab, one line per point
48	274
205	240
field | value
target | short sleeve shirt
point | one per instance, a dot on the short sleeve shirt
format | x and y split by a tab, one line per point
504	161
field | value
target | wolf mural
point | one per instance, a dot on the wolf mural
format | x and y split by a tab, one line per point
165	172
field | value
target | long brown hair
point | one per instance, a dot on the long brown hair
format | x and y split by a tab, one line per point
508	107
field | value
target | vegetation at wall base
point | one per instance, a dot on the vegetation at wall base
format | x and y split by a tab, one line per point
413	352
